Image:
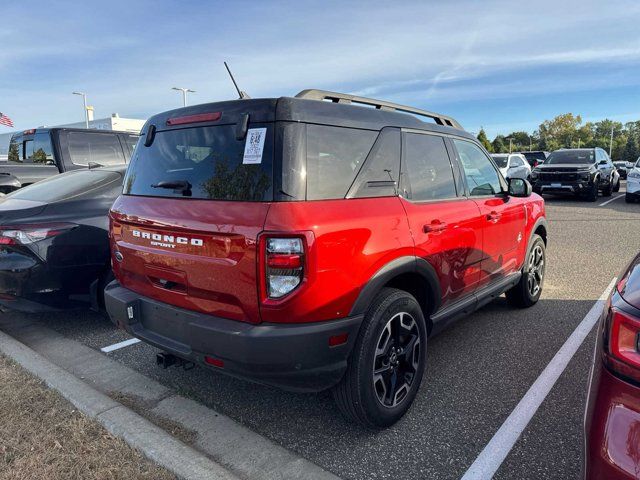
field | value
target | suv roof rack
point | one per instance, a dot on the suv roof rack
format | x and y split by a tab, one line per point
313	94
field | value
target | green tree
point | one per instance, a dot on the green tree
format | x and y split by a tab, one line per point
561	131
498	144
482	138
630	152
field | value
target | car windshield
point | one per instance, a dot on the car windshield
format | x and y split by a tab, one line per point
501	160
571	156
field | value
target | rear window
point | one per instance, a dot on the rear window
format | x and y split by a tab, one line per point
68	185
500	160
334	158
100	148
207	161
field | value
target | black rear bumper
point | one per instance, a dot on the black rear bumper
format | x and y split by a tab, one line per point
290	356
29	285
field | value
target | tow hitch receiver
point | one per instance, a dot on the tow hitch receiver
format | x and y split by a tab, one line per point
166	360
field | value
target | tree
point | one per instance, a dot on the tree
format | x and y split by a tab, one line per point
630	152
498	144
482	138
561	131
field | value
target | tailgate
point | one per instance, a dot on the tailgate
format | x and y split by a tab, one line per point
195	254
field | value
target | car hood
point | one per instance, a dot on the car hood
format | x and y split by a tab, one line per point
15	210
629	284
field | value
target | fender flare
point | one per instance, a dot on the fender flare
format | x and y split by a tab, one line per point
541	221
396	267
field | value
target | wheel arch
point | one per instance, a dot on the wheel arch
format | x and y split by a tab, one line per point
411	274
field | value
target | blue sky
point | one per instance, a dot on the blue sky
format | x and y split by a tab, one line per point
504	65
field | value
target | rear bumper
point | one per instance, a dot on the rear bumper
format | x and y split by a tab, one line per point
27	284
612	427
290	356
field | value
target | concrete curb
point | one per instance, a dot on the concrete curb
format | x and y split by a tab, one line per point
156	444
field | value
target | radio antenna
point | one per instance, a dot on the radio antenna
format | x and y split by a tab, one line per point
242	94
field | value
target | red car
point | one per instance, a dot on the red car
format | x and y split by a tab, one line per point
612	419
314	243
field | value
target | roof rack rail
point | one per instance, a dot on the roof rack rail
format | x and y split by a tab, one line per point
313	94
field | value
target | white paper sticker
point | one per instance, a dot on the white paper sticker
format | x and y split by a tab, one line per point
254	146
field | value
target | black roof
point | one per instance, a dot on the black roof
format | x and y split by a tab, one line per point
303	110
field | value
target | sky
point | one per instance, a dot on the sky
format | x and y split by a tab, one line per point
500	65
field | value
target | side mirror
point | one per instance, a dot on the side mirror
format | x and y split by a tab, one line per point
519	187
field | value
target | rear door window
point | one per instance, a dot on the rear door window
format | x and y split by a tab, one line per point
206	161
334	157
427	172
102	149
379	177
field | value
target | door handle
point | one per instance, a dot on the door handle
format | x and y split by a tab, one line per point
434	227
493	216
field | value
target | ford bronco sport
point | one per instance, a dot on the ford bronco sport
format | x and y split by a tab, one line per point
316	242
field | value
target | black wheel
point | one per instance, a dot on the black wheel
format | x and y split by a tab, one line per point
528	290
592	195
387	363
608	190
629	199
617	186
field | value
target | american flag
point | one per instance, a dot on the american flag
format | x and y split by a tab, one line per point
4	120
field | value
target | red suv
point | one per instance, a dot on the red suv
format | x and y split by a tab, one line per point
316	242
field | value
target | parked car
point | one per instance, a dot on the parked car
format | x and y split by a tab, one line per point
633	184
612	419
40	153
535	158
54	250
290	242
512	165
621	167
579	171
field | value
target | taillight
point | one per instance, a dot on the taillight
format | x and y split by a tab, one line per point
28	234
284	265
624	344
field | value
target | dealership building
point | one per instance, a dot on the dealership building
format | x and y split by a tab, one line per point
114	122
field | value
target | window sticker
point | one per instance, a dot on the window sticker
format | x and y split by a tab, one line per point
254	146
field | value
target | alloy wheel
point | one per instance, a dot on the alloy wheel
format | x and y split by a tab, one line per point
535	271
397	359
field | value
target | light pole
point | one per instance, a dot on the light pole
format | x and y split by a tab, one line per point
510	144
530	142
611	141
184	94
84	102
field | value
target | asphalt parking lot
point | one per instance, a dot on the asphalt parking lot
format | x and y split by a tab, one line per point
478	370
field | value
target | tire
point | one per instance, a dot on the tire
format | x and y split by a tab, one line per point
617	187
522	295
592	196
606	192
393	319
629	199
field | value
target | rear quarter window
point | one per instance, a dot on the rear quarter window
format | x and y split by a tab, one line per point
334	157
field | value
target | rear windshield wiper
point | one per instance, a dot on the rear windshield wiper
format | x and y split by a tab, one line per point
178	186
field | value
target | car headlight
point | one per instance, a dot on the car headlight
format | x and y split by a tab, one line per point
584	175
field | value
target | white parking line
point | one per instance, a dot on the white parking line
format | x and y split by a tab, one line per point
494	453
116	346
610	200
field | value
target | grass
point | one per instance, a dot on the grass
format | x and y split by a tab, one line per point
43	436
